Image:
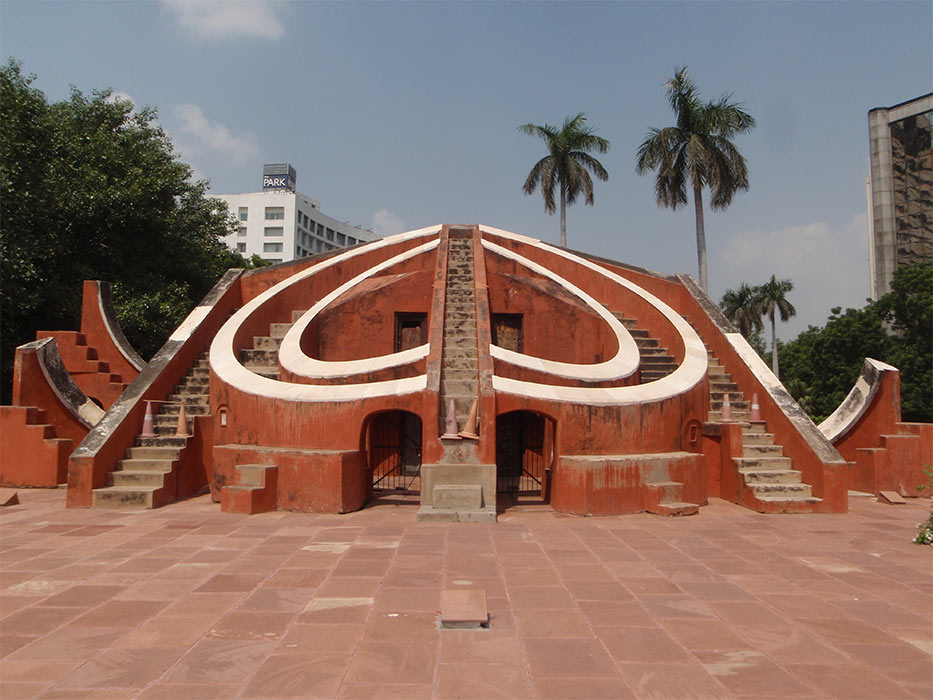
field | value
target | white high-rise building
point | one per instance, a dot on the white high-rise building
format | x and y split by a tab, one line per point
280	224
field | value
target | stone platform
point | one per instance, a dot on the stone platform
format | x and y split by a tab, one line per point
189	602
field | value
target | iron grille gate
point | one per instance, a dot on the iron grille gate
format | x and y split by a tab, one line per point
519	453
395	451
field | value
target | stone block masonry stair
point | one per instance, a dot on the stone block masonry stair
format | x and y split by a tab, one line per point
148	476
460	368
655	362
253	492
769	478
262	358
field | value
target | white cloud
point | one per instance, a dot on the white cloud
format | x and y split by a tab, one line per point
387	223
827	264
120	96
229	19
199	135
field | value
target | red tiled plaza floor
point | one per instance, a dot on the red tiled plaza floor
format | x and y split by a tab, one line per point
188	602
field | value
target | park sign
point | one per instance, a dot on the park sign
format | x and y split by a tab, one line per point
278	176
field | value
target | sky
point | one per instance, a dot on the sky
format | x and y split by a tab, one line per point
398	115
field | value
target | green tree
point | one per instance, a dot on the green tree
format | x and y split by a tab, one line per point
908	309
698	151
820	366
567	165
90	188
822	363
771	298
741	307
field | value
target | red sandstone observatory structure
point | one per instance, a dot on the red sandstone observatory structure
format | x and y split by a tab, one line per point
470	364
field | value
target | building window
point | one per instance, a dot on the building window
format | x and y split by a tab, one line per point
320	229
242	232
271	247
330	234
318	246
341	239
244	213
351	240
241	247
275	231
275	213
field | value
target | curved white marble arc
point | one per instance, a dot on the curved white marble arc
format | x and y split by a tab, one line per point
622	364
227	367
293	359
688	374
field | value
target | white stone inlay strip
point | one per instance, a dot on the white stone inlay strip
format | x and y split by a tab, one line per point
293	359
228	369
688	374
622	364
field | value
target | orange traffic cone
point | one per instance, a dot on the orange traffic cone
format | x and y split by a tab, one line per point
469	430
182	429
148	429
755	415
450	426
726	407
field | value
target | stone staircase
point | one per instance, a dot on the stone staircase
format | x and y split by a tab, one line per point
253	492
148	476
460	368
655	362
90	373
262	358
767	474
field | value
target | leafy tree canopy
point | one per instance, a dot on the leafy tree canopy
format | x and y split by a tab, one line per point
91	188
820	366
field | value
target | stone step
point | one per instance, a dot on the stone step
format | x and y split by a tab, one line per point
197	381
266	342
763	463
163	420
749	428
451	387
722	386
146	478
135	497
658	359
772	490
156	453
161	441
459	374
188	395
298	314
278	330
141	464
737	416
751	437
736	405
637	333
267	358
771	476
644	343
762	450
192	409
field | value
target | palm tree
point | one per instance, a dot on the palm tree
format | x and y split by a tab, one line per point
741	306
567	163
773	296
699	150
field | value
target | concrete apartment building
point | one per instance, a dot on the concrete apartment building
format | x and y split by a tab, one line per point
900	189
280	224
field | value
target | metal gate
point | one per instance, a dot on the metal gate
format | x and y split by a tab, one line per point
520	453
395	451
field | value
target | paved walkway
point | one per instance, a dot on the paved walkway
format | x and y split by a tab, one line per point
188	602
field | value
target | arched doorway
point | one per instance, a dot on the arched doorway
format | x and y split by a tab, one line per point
524	455
394	452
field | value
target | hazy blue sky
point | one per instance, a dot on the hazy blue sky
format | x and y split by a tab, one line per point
400	115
